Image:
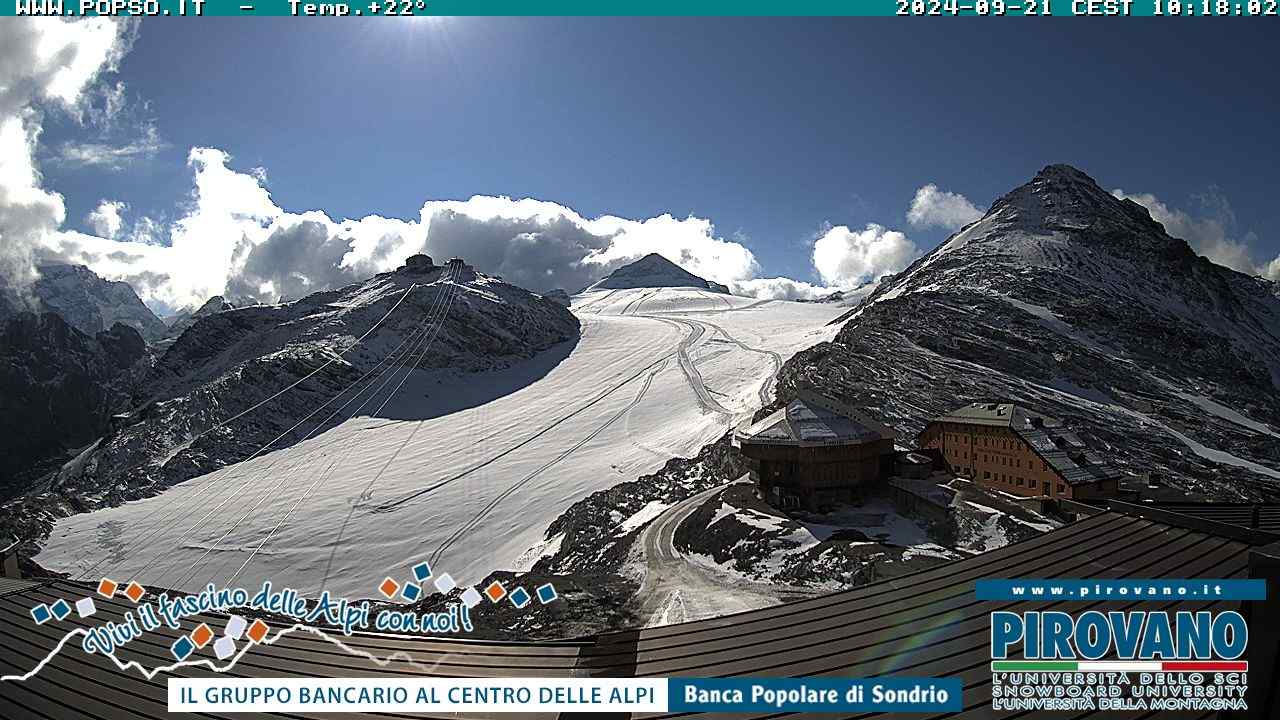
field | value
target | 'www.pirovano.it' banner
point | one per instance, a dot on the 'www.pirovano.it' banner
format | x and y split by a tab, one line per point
604	695
1120	589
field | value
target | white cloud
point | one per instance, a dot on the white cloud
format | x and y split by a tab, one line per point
147	231
1272	270
235	240
932	207
779	288
1209	235
107	219
45	63
112	156
846	258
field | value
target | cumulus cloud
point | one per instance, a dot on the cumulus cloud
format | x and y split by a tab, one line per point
45	64
232	238
235	240
147	231
107	219
1209	234
779	288
932	207
847	258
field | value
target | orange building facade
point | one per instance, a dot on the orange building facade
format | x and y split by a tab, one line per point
1008	448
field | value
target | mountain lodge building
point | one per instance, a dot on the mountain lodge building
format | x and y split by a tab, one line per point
1009	448
815	451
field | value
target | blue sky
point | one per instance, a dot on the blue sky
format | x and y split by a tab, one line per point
772	129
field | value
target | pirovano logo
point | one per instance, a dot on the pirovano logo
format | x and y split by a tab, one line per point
1124	659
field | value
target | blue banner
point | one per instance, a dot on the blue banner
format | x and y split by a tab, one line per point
1052	589
886	694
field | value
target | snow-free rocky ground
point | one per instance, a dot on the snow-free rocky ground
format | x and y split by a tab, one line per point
466	469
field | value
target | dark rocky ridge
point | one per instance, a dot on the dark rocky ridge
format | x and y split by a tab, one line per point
58	389
1078	303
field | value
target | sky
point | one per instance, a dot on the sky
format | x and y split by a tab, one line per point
785	157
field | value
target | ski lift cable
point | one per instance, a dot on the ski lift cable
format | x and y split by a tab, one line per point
153	528
387	372
209	486
297	462
328	470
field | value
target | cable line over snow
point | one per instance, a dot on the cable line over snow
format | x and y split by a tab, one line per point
329	470
420	334
263	448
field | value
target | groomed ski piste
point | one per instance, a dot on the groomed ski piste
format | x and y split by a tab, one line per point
656	373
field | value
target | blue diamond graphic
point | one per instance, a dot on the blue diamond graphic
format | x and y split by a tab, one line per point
421	572
40	614
60	609
546	593
520	597
183	648
411	592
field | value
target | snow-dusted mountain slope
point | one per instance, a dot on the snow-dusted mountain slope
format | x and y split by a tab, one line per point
654	271
466	470
240	379
91	304
1080	304
179	323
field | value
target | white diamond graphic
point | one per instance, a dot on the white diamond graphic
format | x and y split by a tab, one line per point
445	583
224	647
235	627
86	607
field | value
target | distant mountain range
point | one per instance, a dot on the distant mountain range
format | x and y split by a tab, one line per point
174	425
91	304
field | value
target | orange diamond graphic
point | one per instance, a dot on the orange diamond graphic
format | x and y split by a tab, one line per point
389	588
257	631
495	591
201	635
107	587
135	591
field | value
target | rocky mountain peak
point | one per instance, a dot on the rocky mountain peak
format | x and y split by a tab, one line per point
215	304
92	304
1064	198
654	270
1080	304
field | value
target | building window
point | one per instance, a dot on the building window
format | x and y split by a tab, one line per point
986	475
1062	489
1019	482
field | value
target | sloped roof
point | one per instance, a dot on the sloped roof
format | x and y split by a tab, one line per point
926	624
1061	448
814	420
1261	516
996	415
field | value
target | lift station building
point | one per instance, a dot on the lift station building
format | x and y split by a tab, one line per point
816	451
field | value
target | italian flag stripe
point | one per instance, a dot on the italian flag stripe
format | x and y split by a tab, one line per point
1118	666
